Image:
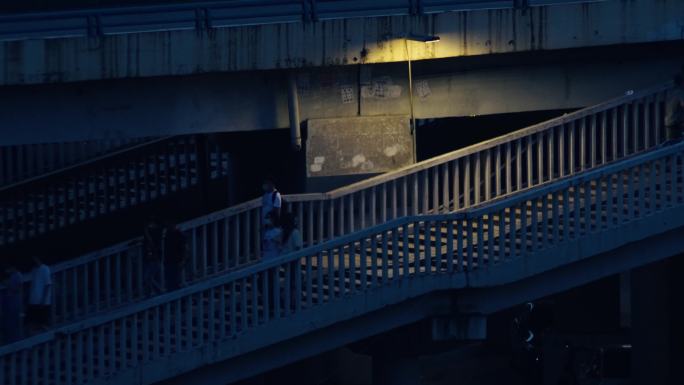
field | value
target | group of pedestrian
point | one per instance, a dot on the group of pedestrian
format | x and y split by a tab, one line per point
280	232
164	256
32	312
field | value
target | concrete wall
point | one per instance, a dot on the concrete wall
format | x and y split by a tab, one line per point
339	42
252	101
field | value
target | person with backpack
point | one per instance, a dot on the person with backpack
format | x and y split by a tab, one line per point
271	201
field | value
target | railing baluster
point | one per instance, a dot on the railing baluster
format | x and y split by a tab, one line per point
363	269
635	126
435	190
477	178
445	187
554	215
287	285
394	203
534	231
424	192
497	170
385	259
620	198
540	157
509	168
450	246
395	255
571	148
469	239
246	238
625	130
561	150
331	274
642	192
614	133
309	237
352	216
530	162
383	202
321	222
373	205
466	182
276	291
583	144
551	153
490	239
404	195
340	216
456	181
254	285
604	136
513	231
657	119
309	285
523	230
592	139
488	175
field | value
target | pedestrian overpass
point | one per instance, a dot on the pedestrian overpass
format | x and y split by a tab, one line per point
460	236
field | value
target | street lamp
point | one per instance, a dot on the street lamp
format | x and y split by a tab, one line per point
427	39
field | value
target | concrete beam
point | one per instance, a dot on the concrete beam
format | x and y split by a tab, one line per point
258	100
339	42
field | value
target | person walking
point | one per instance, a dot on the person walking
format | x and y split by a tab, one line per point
273	237
175	255
292	242
152	256
271	201
292	237
40	296
11	306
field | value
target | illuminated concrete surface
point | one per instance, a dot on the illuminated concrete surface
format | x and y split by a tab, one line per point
339	42
258	100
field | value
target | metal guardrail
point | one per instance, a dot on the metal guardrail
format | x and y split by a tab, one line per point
220	14
230	239
24	161
105	184
228	307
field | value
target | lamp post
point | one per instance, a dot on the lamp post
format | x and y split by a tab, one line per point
427	39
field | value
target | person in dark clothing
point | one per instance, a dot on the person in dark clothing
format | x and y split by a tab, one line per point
11	306
174	256
152	256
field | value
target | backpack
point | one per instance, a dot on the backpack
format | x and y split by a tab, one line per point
273	198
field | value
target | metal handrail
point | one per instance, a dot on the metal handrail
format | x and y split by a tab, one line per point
107	183
87	162
453	244
230	238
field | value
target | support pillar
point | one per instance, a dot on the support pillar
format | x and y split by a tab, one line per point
651	325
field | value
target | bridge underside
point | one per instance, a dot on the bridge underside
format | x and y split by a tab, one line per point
258	100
